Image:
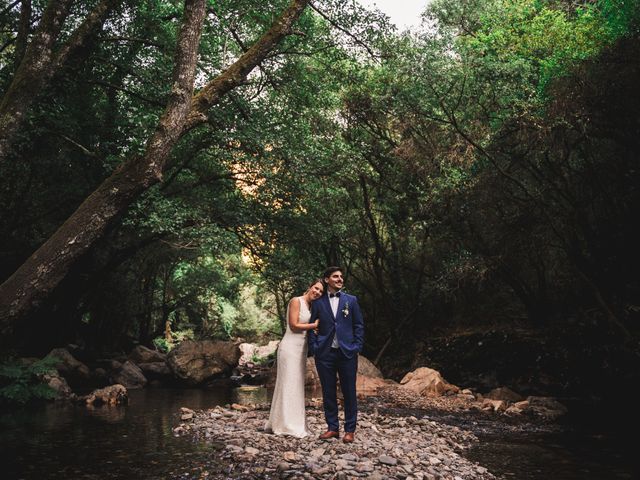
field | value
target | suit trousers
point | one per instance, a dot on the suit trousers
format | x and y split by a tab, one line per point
331	365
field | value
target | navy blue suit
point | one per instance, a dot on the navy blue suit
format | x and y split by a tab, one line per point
341	362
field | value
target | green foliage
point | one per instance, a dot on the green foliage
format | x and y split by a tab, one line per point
177	337
545	38
21	382
481	168
258	360
162	344
250	316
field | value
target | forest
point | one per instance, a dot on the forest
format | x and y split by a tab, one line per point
179	170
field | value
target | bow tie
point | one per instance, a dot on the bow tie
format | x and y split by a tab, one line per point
337	295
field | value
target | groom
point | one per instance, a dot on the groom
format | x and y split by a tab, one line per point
339	339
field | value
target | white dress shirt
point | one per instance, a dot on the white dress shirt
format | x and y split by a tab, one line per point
334	301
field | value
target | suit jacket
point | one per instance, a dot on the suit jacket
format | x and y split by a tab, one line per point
348	324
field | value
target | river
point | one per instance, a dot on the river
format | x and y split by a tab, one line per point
61	441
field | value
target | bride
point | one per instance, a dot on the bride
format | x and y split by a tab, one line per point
287	405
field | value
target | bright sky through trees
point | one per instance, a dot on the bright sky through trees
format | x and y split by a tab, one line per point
404	13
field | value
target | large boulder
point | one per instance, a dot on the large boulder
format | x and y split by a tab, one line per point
369	377
428	382
311	379
129	375
504	394
111	395
368	380
59	385
366	368
369	385
251	352
156	370
197	361
100	377
547	407
68	366
142	354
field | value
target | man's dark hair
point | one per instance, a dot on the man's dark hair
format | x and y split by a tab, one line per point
330	270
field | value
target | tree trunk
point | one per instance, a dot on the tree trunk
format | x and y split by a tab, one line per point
39	63
23	33
44	270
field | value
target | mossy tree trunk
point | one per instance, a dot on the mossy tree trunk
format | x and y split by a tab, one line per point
43	271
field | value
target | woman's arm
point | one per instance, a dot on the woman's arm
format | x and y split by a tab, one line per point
294	315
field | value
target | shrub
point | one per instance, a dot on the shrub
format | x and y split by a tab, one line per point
178	336
21	382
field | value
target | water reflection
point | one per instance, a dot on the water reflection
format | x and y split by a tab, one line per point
136	441
564	455
133	441
108	414
247	395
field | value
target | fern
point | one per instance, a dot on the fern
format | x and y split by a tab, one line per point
21	383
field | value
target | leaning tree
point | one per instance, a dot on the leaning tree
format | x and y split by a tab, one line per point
38	276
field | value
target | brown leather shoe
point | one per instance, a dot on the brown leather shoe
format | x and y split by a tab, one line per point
349	437
329	434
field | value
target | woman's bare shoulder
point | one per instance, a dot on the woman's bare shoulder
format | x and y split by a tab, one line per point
295	300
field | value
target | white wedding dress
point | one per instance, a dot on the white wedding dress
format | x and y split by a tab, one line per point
287	415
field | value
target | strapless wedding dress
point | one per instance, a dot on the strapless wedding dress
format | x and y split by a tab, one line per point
287	416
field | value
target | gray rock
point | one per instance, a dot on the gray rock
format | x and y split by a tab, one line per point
321	470
387	460
376	476
546	406
364	467
195	362
59	385
421	449
68	366
111	395
142	354
234	449
155	370
366	368
317	452
129	375
505	394
349	457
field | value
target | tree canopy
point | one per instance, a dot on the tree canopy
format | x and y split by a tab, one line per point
476	174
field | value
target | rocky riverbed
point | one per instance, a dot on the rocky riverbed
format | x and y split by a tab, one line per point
388	445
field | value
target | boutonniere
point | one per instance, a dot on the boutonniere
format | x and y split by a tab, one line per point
345	310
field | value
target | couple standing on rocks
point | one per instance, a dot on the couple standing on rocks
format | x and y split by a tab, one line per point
335	337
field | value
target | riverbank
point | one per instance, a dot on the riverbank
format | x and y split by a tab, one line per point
395	439
59	441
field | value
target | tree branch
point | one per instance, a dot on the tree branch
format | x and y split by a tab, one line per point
345	31
237	73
